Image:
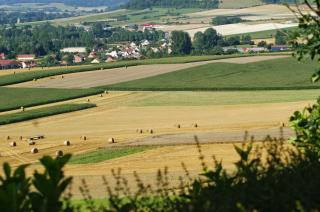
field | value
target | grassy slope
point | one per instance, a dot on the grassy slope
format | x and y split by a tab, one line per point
280	74
268	33
14	98
106	154
187	98
42	112
29	76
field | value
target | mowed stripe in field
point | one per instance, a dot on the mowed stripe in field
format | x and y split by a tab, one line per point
117	75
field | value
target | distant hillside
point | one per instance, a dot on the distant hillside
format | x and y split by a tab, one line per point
83	3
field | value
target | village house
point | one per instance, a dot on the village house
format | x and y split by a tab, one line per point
93	54
2	56
113	54
110	59
95	61
78	59
27	60
9	64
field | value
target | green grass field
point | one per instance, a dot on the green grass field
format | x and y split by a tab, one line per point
267	33
207	98
42	112
30	75
106	154
279	74
14	98
125	17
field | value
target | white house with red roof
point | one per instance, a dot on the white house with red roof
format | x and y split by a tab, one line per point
26	57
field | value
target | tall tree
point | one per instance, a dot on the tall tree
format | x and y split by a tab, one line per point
181	43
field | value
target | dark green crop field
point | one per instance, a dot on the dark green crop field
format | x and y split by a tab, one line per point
42	112
278	74
14	98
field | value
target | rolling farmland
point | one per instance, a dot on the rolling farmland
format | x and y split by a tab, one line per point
285	73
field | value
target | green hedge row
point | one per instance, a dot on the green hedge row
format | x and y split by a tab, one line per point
42	112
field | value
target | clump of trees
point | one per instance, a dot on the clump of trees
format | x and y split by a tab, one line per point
222	20
181	43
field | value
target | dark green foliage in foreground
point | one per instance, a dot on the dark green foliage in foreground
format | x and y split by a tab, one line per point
271	177
266	75
42	112
14	98
307	124
16	193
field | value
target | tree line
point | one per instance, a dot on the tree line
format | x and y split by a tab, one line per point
45	39
83	3
12	17
138	4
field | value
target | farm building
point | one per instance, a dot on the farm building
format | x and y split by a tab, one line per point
27	60
26	57
9	64
278	48
74	50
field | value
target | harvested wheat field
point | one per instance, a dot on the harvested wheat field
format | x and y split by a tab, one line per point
116	75
114	117
263	12
118	115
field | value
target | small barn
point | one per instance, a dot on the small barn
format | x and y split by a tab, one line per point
9	64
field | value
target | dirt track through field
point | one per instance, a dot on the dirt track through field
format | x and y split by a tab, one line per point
117	75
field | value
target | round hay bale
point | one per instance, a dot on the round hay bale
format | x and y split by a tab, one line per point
84	137
22	109
13	144
195	125
8	137
31	143
34	150
111	140
140	131
34	79
151	131
62	77
88	100
20	138
101	95
282	124
67	143
59	153
105	92
178	126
